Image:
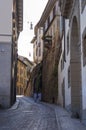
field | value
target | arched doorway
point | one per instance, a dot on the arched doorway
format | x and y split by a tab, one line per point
75	66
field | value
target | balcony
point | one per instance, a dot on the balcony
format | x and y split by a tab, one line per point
66	6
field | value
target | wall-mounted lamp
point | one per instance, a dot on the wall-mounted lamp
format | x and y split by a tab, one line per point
47	41
47	38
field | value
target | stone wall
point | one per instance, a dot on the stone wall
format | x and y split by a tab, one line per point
50	76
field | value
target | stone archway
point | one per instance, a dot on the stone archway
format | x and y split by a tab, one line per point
75	66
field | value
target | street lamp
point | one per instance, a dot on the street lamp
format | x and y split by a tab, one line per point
31	25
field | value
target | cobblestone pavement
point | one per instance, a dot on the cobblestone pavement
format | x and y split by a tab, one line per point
28	115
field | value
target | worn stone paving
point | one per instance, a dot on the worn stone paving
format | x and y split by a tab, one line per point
29	115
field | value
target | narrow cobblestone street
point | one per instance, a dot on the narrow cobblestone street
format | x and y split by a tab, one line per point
28	115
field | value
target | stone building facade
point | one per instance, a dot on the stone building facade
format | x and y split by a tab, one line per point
37	42
24	73
11	24
50	23
72	63
21	76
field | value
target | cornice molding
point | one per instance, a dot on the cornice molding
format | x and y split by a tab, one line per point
47	11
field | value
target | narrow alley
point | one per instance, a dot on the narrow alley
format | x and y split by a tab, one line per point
43	62
26	114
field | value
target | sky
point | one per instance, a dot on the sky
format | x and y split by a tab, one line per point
32	11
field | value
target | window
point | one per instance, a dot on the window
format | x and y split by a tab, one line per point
39	44
54	30
62	62
36	50
14	15
14	25
63	88
69	77
54	11
61	26
84	47
48	20
40	51
51	32
68	43
84	50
